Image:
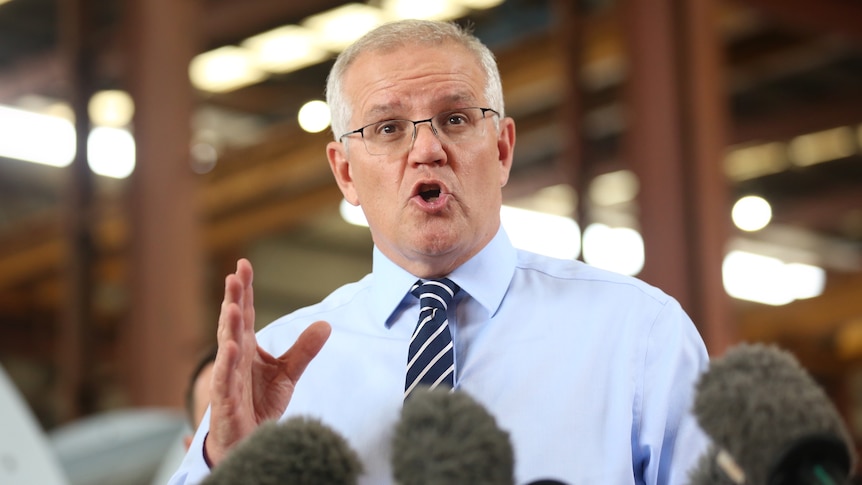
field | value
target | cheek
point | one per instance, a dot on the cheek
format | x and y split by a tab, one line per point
376	187
484	174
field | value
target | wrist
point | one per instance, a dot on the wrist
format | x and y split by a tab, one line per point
206	456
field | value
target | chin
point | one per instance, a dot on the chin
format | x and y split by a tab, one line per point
436	243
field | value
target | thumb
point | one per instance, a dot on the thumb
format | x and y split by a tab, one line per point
309	343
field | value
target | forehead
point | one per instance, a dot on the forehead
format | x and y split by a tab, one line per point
413	77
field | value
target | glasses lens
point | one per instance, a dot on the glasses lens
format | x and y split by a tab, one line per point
387	137
460	125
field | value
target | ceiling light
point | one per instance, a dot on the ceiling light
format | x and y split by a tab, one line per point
753	277
822	146
428	9
224	69
559	199
37	138
111	108
339	27
763	279
755	161
111	152
751	213
481	4
548	234
614	188
314	116
618	249
808	280
285	49
352	214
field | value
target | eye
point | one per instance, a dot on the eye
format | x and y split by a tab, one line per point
455	119
389	128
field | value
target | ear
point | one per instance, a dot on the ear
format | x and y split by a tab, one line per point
506	148
340	164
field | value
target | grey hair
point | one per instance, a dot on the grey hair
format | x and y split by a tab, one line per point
403	33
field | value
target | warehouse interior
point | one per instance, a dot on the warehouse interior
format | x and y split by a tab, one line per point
644	115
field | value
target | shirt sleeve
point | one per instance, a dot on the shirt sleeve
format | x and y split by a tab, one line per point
669	440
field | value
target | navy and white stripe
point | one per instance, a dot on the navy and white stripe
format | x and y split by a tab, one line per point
430	361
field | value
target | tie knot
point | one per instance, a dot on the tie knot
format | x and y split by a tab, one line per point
437	293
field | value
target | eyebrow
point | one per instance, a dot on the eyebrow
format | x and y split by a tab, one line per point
384	111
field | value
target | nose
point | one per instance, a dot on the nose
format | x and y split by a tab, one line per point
418	124
426	146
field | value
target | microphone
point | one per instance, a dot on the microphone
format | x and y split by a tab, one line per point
769	421
447	438
712	469
297	451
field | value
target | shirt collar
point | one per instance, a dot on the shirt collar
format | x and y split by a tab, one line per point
485	277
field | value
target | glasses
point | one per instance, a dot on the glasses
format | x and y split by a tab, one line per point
395	137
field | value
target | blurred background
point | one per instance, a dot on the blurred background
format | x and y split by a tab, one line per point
710	147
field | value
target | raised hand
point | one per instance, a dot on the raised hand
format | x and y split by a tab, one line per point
249	386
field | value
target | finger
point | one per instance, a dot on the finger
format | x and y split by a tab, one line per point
307	346
245	273
233	358
225	404
228	359
231	316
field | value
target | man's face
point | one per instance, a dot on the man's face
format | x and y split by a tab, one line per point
427	236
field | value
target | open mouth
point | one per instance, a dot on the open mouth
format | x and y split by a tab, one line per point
429	192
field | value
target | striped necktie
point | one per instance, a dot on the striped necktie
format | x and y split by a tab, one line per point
430	362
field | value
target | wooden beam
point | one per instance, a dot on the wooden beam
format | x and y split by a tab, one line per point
653	144
74	360
165	327
798	120
708	221
824	16
293	171
281	216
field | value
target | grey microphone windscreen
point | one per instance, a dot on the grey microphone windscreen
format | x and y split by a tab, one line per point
447	438
757	403
298	451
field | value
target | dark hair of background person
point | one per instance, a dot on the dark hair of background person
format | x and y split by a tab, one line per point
206	359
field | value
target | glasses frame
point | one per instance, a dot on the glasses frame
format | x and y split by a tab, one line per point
361	131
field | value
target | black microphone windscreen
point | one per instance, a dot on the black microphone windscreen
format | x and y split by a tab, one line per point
447	438
296	451
757	403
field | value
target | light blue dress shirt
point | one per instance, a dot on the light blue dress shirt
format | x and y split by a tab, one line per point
590	372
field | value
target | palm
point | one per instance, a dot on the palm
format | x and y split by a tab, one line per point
270	386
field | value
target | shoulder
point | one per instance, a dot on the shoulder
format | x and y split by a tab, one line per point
574	274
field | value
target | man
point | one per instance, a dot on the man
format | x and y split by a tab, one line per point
589	372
